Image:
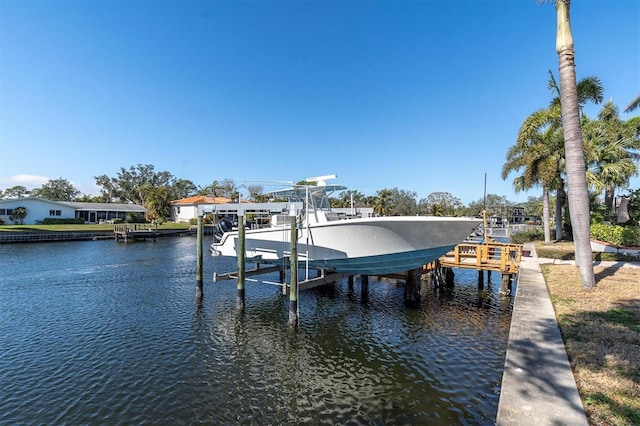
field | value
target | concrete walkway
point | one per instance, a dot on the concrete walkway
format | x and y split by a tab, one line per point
605	263
538	387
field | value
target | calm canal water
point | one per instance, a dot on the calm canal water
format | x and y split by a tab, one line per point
99	332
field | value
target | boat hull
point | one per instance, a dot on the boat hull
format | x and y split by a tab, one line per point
367	246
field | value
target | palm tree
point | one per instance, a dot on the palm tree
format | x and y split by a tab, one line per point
589	89
213	189
435	210
19	213
381	202
549	121
616	147
578	192
538	153
541	133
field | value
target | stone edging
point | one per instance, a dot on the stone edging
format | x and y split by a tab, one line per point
602	247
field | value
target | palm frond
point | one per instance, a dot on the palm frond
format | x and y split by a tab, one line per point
634	104
590	89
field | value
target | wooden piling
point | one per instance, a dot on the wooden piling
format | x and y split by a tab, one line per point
480	279
425	281
364	287
241	267
282	278
293	286
505	285
449	277
199	281
412	288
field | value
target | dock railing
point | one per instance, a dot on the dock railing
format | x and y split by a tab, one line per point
124	231
490	256
129	227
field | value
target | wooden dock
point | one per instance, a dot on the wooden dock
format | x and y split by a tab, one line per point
142	231
487	256
135	231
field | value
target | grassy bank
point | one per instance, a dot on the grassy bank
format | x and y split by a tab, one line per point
601	331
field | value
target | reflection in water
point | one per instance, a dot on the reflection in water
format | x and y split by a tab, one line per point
96	332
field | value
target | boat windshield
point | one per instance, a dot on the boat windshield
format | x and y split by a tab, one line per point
319	200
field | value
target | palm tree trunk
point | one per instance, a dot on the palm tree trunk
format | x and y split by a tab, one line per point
575	167
558	209
546	217
608	202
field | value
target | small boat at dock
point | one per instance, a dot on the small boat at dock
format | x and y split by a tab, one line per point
363	246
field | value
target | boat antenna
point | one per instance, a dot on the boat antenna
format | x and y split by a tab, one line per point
485	231
321	180
484	200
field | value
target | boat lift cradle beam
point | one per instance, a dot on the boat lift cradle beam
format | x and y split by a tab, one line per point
306	284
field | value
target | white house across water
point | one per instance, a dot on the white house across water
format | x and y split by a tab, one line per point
39	209
190	208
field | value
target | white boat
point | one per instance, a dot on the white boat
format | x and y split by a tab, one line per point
363	246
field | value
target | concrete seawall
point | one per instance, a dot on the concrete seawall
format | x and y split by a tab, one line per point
36	237
538	387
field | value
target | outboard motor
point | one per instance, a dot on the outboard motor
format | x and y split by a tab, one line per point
223	225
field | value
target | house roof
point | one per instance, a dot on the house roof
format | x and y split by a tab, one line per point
21	199
107	206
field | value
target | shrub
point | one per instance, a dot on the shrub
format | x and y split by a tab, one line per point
611	234
631	236
616	234
56	221
134	218
529	235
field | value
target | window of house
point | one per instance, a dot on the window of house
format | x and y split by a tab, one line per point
3	212
9	212
55	212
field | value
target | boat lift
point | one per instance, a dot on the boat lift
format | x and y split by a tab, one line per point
308	283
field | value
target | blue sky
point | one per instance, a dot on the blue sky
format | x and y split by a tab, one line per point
424	96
